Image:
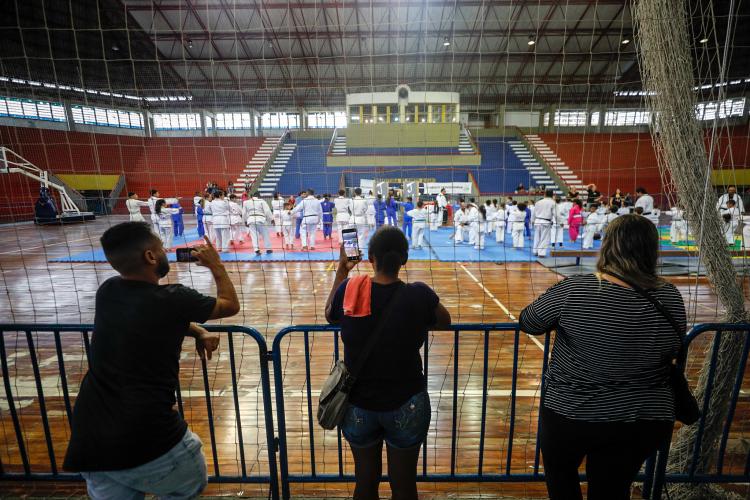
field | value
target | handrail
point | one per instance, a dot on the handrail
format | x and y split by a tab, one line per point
471	139
272	158
329	152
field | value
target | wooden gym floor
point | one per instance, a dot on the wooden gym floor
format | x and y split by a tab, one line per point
276	295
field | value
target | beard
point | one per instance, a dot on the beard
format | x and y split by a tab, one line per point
162	267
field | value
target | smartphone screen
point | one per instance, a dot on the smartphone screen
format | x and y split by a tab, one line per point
185	255
351	243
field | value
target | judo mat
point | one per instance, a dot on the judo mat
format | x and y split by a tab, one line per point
439	246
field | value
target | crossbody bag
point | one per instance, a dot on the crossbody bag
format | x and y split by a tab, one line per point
334	396
686	408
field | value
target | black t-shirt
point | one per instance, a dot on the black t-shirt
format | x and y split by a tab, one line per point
124	415
393	372
592	195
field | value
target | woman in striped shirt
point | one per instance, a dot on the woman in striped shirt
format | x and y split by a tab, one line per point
607	396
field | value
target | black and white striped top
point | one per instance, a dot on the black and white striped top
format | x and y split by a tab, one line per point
608	359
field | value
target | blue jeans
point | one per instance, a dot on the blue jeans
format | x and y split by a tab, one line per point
178	474
404	427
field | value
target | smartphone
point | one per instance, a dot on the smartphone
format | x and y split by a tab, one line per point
351	243
185	255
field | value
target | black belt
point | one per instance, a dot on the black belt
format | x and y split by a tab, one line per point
646	213
542	218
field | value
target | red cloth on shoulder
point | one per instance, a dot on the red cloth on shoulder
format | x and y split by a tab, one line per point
357	296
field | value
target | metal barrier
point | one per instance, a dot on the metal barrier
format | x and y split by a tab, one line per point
506	466
62	341
501	447
719	474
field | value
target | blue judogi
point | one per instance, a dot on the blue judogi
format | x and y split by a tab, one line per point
178	225
406	226
300	214
391	207
379	212
527	223
327	207
199	214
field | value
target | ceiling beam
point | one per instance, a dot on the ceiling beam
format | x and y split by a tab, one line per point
347	4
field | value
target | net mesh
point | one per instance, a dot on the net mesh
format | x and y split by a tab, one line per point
504	98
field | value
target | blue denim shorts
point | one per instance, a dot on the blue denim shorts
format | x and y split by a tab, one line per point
404	427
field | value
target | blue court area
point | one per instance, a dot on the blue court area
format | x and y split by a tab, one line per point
439	246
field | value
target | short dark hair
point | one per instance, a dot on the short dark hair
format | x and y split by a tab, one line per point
256	194
124	244
154	191
358	191
390	248
311	191
130	193
641	189
549	193
521	206
342	192
731	201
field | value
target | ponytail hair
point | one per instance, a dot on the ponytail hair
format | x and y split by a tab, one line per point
483	211
390	249
159	204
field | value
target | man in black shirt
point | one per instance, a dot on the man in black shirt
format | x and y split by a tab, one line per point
592	195
127	439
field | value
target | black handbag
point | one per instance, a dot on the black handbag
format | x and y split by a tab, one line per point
686	408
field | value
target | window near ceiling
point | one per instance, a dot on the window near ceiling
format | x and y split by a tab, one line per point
281	121
106	117
570	118
627	118
32	109
232	121
720	109
177	121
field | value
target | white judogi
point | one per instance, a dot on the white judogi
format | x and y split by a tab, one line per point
509	209
196	202
370	213
360	209
441	203
134	209
152	208
220	211
164	221
593	225
501	219
563	210
460	218
678	228
235	222
258	216
312	213
746	232
731	227
287	227
419	221
472	215
343	207
516	222
478	228
277	206
491	211
722	203
208	224
647	203
543	216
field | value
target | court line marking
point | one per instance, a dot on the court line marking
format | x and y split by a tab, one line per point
22	249
500	304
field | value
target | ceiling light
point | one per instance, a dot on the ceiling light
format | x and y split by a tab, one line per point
446	43
703	40
115	48
625	42
190	43
531	41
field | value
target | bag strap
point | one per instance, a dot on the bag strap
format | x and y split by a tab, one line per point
658	305
376	333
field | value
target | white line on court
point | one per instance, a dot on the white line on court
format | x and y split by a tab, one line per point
500	305
23	250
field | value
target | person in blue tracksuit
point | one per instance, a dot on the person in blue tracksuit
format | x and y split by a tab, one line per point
391	210
406	226
199	216
327	206
177	223
379	211
300	214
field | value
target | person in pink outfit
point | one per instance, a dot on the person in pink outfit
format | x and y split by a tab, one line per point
574	220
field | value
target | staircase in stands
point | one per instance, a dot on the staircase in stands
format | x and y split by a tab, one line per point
271	180
564	172
536	171
257	163
339	144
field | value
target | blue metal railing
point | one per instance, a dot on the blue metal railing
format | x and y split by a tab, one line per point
465	464
42	333
661	477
